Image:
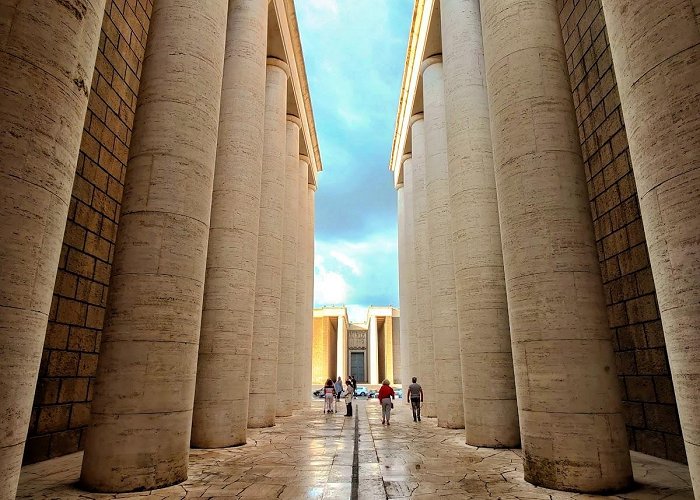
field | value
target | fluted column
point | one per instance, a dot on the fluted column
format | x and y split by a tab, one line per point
268	288
656	51
373	350
220	415
573	432
443	302
142	409
488	385
287	342
302	285
426	354
46	60
309	305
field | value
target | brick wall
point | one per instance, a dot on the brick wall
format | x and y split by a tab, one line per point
649	401
64	389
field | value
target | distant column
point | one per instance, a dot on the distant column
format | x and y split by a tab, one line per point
656	51
443	302
309	305
426	353
268	288
139	437
220	415
405	307
573	431
373	350
46	60
342	348
409	324
302	285
287	341
490	407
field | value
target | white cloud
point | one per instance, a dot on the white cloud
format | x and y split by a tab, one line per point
330	287
347	261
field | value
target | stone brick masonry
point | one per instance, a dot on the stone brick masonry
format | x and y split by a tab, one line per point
647	391
64	390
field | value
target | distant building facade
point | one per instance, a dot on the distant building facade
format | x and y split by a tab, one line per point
370	351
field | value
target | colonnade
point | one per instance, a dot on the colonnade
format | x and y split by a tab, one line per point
509	316
210	302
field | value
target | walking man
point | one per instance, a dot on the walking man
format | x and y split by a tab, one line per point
415	396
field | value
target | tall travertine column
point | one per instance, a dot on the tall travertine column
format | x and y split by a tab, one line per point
573	432
139	436
373	350
302	285
287	341
443	302
46	60
403	278
268	289
342	348
309	305
656	51
490	407
220	415
424	328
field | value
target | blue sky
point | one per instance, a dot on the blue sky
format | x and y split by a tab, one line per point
354	52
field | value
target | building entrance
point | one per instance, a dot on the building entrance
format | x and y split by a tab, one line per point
357	366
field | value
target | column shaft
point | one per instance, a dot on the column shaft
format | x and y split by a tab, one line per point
142	408
656	51
220	413
285	360
443	302
302	285
573	432
413	346
424	328
403	277
309	305
268	288
373	350
341	348
46	62
488	385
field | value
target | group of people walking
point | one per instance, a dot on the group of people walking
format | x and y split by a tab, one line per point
334	391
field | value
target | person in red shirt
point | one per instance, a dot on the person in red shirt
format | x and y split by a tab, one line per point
386	394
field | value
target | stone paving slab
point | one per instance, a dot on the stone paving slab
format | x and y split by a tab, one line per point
310	455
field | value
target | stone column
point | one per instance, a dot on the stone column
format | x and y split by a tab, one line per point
443	302
287	342
268	288
656	51
403	275
488	385
425	357
411	338
220	415
373	350
573	432
309	305
342	348
139	436
46	62
302	285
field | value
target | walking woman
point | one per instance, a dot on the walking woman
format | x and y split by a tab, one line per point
386	394
329	396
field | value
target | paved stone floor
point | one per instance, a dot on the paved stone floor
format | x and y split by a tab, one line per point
310	455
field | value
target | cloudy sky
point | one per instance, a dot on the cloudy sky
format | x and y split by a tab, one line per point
354	52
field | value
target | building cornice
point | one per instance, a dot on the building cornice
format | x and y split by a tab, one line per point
417	39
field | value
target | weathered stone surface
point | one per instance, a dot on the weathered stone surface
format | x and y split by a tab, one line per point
220	414
443	301
573	431
488	386
45	75
268	287
656	51
142	409
426	358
